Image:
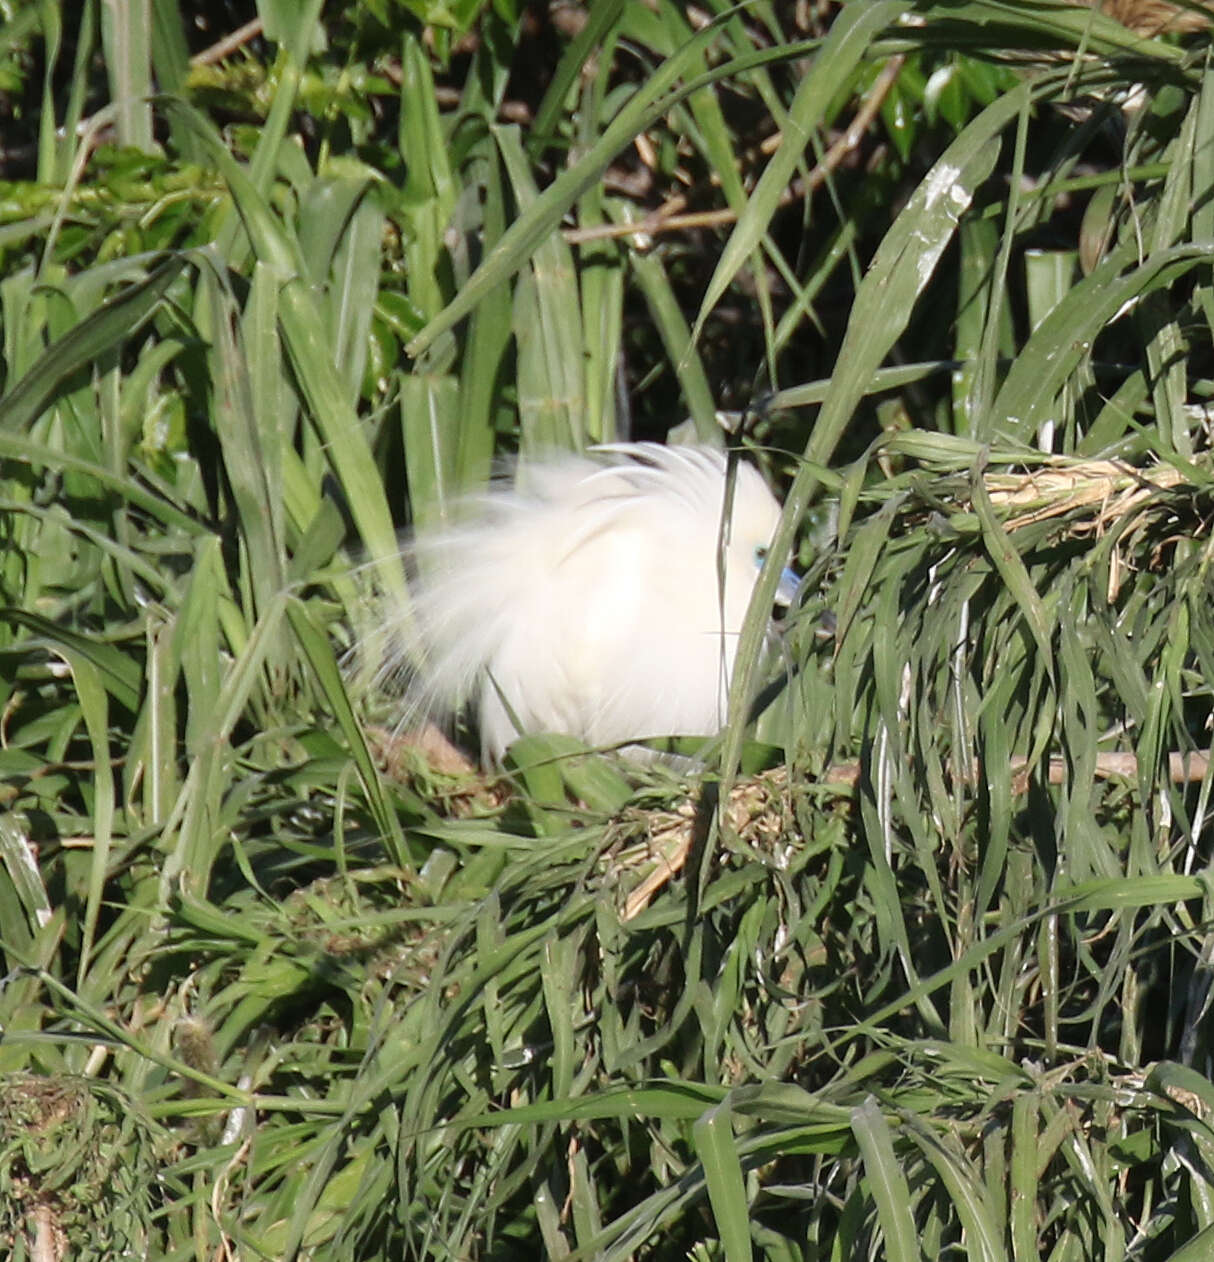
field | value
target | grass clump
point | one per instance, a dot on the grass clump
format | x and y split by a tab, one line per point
924	973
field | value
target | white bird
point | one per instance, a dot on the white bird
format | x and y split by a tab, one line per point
601	596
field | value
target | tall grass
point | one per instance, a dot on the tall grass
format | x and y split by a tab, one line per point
935	982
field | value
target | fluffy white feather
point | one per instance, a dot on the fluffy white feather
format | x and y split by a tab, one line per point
588	598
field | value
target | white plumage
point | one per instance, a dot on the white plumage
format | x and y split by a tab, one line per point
588	599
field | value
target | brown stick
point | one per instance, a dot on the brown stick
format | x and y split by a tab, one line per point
229	44
1182	769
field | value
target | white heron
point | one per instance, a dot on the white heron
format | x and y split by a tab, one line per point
600	596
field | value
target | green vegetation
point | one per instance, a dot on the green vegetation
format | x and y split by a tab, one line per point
937	983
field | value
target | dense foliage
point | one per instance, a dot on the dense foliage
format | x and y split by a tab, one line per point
925	971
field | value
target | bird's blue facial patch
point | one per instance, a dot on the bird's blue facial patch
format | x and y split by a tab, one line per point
790	581
786	591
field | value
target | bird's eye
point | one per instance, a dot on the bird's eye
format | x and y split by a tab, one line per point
760	554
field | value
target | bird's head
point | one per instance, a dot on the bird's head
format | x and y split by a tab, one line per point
754	520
